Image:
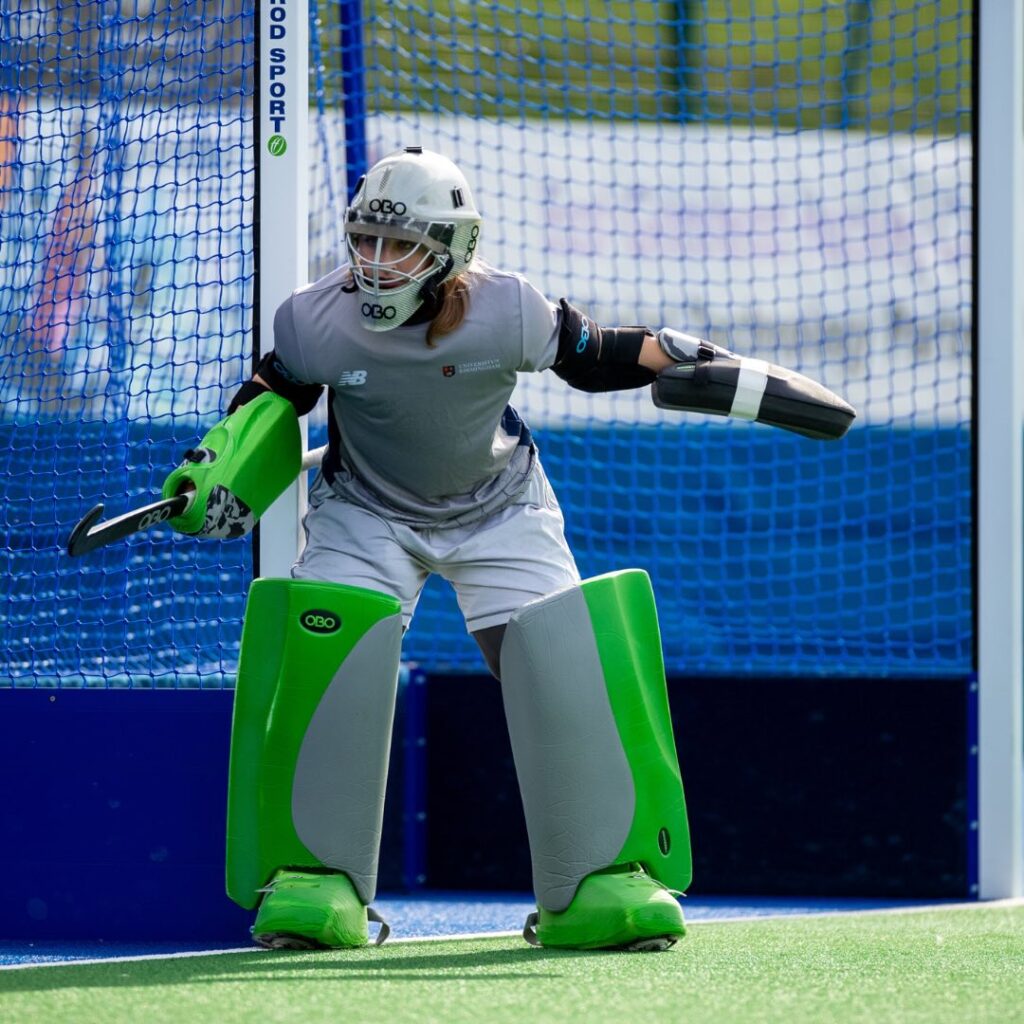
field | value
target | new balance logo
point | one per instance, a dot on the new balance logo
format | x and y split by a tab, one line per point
351	378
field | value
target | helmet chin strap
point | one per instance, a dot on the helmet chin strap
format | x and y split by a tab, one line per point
428	291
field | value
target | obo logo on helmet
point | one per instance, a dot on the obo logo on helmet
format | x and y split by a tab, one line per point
375	311
387	207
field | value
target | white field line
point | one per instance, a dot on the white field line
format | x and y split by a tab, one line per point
922	909
749	919
240	949
130	959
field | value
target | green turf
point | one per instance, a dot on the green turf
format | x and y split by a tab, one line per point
955	965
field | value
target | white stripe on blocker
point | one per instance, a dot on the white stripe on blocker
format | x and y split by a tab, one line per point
753	379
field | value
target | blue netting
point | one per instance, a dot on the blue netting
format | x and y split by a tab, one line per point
125	296
793	181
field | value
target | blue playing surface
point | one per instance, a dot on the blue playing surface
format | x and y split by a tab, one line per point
440	914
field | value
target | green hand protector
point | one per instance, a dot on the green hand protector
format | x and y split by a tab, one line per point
242	465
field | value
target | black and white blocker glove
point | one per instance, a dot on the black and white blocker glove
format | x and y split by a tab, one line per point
710	379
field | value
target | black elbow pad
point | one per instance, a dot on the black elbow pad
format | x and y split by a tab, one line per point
245	394
302	395
594	358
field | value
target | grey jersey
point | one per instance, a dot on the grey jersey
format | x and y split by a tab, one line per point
418	434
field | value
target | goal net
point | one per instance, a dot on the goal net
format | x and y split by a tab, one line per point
792	181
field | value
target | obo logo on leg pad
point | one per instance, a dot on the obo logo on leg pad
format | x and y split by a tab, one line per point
317	620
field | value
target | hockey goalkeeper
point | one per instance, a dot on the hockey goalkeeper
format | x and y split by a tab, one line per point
430	470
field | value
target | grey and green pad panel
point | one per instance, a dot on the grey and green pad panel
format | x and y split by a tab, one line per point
242	465
583	682
314	705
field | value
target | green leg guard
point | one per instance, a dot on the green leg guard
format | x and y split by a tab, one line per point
314	705
584	688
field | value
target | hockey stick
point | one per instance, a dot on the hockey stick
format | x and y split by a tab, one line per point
91	534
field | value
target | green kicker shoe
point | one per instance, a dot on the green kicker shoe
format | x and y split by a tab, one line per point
620	908
303	910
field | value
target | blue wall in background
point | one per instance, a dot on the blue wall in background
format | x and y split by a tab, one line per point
112	822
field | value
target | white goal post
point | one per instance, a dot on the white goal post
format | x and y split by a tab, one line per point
281	214
999	420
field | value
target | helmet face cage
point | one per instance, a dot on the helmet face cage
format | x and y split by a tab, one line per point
376	275
412	221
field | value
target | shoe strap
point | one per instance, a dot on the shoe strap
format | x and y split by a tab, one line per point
530	929
661	885
385	928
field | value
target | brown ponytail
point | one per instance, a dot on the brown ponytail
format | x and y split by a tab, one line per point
454	306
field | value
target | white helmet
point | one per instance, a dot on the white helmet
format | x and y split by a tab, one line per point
421	198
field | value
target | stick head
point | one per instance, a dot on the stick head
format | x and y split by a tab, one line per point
78	542
91	534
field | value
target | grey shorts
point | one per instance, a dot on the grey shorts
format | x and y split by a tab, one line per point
496	565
